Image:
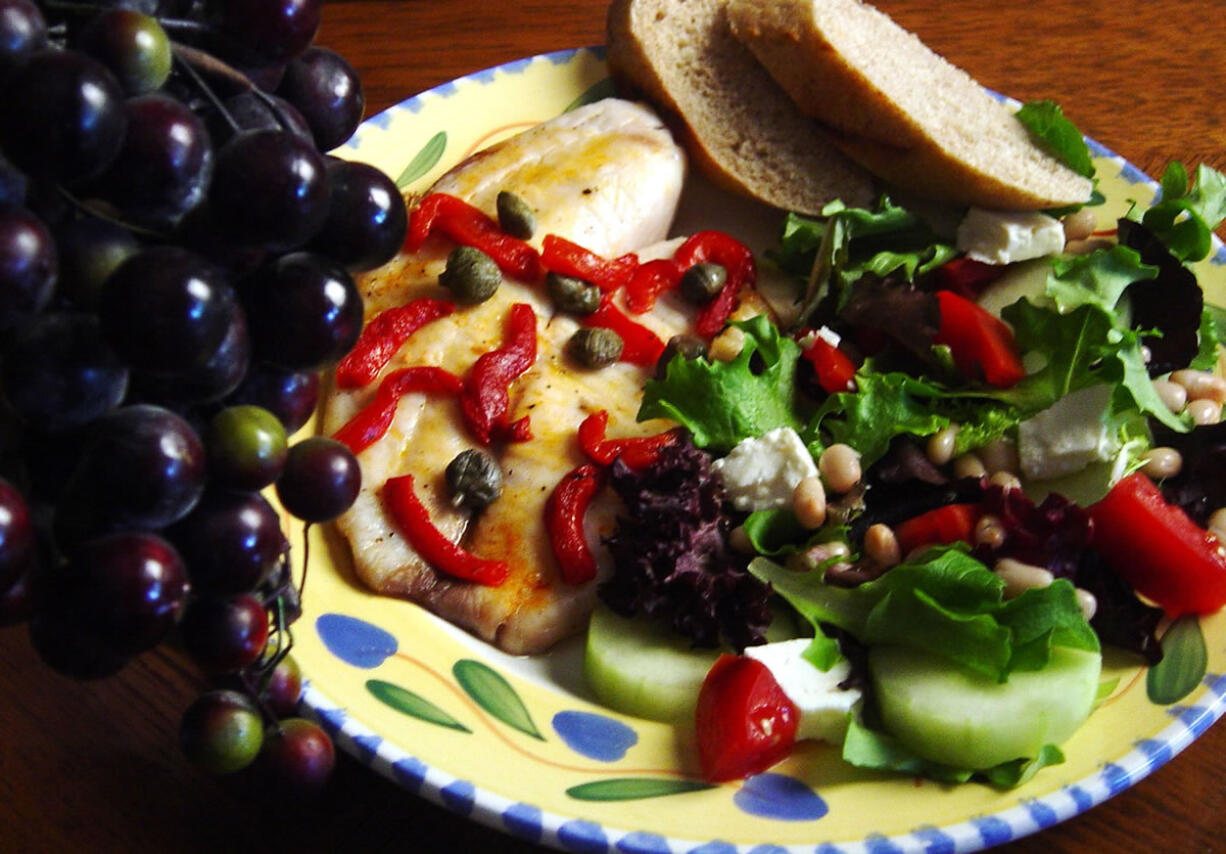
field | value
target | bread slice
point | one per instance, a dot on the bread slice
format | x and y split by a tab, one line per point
739	127
904	112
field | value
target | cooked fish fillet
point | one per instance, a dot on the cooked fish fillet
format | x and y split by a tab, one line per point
614	180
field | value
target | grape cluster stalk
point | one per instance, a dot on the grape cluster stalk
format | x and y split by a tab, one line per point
177	252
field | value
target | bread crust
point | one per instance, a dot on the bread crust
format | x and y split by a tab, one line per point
898	108
745	136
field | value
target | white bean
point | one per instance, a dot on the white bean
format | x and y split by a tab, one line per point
941	445
1079	225
840	467
1173	394
1204	411
1161	463
1020	577
998	455
989	532
969	465
1089	604
809	503
881	545
1201	385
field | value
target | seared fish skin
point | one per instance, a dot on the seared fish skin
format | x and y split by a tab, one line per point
606	176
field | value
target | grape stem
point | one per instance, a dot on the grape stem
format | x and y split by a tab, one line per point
91	211
193	61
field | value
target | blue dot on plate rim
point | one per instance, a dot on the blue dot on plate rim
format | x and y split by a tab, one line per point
355	641
593	735
781	797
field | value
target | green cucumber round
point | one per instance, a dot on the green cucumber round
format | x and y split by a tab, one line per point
953	716
639	668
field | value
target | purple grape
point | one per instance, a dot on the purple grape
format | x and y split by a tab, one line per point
65	644
22	31
320	481
13	183
60	373
305	311
62	116
28	265
224	635
258	111
16	536
142	468
164	167
270	189
278	30
366	220
298	755
284	689
327	92
289	395
133	588
231	542
207	383
190	299
222	732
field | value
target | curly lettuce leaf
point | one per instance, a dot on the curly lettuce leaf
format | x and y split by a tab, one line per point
1099	278
724	402
946	603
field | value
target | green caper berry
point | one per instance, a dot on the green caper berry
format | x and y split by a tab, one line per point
686	346
702	282
471	275
572	295
595	347
515	216
474	479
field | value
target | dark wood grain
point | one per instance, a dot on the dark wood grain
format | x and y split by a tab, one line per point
94	767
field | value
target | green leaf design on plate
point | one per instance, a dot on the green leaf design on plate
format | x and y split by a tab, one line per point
425	160
413	705
493	693
1183	664
595	92
633	789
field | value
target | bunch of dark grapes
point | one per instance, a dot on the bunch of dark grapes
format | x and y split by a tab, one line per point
176	260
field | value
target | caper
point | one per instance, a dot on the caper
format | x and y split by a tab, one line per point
595	347
702	282
471	275
515	216
685	345
474	479
572	295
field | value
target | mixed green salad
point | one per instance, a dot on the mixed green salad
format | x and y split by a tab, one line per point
1013	505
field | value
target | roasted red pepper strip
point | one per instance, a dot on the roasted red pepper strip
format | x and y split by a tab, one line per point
980	342
564	511
738	263
485	398
559	255
835	370
372	421
638	452
649	281
383	336
641	346
469	226
413	520
949	524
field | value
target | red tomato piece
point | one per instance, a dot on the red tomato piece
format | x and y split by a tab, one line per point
952	523
1158	549
981	343
836	372
745	722
967	277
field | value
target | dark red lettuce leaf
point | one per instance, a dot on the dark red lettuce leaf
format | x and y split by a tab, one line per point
1200	486
671	556
1171	302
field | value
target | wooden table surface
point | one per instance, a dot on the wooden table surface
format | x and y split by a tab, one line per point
94	767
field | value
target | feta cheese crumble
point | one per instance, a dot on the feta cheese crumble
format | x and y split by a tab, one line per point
762	473
1067	436
997	237
824	707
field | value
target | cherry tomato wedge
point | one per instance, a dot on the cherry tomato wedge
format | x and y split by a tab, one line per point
745	722
835	370
967	277
952	523
1158	549
981	343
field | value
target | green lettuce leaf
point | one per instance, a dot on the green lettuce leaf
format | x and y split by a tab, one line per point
946	603
1099	278
724	402
1186	215
1046	121
1210	334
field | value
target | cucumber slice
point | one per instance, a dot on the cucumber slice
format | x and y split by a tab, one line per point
963	719
639	668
